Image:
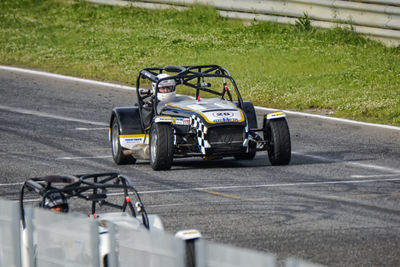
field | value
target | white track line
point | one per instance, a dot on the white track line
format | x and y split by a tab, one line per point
91	129
269	185
357	164
375	176
11	184
372	166
41	114
234	187
69	78
48	115
389	127
74	158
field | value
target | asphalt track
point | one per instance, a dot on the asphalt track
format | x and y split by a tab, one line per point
337	203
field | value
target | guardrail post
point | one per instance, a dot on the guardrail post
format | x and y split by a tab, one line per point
190	237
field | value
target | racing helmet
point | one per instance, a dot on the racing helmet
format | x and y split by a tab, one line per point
56	199
166	89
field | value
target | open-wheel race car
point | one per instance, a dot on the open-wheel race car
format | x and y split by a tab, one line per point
212	122
110	197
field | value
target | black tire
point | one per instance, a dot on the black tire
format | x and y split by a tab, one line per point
279	147
116	149
161	146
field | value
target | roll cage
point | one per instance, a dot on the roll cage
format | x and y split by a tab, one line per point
191	76
90	187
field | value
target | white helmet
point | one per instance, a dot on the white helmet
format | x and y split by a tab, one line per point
166	89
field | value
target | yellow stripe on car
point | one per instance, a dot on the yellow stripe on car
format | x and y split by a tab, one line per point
204	117
132	135
275	115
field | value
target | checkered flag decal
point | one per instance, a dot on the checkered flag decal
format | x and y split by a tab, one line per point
202	137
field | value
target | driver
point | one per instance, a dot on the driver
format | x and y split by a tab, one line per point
166	88
57	202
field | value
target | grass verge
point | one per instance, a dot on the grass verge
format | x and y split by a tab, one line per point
297	67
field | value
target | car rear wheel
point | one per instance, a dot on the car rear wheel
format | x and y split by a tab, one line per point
277	134
161	146
117	150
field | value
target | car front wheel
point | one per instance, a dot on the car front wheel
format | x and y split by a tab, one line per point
278	137
161	146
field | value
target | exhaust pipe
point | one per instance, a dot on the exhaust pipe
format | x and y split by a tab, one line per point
138	151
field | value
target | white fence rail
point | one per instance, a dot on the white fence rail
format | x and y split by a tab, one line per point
209	254
60	240
10	249
149	249
70	240
379	19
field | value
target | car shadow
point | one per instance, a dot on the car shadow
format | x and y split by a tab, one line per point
261	161
229	162
308	158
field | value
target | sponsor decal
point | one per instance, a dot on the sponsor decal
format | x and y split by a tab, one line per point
223	114
130	140
211	115
182	121
225	120
164	119
133	139
275	115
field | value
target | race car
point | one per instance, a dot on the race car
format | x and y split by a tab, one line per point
110	198
207	119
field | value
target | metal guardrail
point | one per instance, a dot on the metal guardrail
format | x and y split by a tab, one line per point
384	2
54	239
379	19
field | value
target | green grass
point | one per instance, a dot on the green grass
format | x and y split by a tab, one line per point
290	67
